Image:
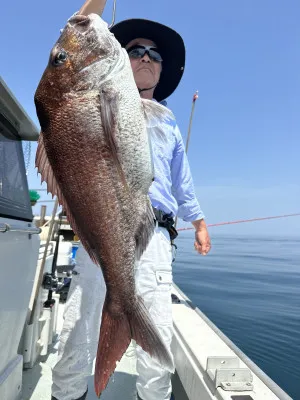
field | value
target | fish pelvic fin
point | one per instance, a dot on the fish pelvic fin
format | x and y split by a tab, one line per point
108	111
117	330
44	167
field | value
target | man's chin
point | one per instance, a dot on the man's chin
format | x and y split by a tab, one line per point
144	75
144	83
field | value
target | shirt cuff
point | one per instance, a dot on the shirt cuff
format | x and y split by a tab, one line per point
190	214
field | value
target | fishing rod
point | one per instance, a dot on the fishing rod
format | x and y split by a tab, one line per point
195	98
42	265
244	220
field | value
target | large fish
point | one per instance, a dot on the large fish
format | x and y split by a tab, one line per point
94	153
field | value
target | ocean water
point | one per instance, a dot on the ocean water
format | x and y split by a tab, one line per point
250	288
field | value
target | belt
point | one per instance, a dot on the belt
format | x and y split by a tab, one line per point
166	221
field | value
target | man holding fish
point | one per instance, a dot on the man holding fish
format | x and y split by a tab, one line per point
105	130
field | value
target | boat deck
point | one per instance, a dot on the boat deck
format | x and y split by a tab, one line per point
196	339
37	381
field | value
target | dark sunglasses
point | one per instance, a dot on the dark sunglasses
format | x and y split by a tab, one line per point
138	51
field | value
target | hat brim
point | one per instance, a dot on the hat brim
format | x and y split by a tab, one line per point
169	43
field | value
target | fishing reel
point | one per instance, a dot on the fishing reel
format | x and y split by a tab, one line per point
50	282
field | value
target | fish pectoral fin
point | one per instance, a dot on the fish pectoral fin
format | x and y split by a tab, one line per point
108	112
116	333
43	165
144	231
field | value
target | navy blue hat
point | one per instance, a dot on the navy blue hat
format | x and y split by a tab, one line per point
169	43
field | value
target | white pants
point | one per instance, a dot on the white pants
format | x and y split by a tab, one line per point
82	316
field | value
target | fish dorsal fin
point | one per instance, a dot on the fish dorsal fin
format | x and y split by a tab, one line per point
47	175
108	112
44	168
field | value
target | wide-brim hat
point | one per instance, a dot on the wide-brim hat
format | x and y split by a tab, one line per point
169	43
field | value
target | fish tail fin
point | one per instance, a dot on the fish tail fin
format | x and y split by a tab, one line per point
117	330
146	335
115	337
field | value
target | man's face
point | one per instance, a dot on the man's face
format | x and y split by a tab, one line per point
146	71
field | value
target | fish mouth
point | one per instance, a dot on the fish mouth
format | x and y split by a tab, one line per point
81	23
84	26
94	30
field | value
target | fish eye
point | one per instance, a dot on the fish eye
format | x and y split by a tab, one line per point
60	58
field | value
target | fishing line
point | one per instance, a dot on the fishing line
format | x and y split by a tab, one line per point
243	221
113	15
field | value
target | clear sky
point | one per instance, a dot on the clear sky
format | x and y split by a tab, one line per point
242	56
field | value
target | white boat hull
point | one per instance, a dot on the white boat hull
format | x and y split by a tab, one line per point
19	253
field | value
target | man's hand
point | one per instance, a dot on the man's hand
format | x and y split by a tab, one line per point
202	239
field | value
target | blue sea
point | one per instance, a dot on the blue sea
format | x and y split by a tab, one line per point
250	288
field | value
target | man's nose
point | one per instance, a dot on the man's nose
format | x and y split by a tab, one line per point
146	58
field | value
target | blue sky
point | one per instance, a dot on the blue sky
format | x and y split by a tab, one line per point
242	56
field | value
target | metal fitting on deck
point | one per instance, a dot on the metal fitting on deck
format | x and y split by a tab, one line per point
225	372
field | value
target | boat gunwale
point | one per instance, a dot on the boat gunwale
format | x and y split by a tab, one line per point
276	389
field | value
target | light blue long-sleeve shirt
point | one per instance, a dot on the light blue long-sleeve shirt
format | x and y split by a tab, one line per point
173	190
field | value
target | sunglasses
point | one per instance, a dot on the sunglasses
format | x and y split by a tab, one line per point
139	51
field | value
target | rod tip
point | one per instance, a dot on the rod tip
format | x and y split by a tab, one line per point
195	96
